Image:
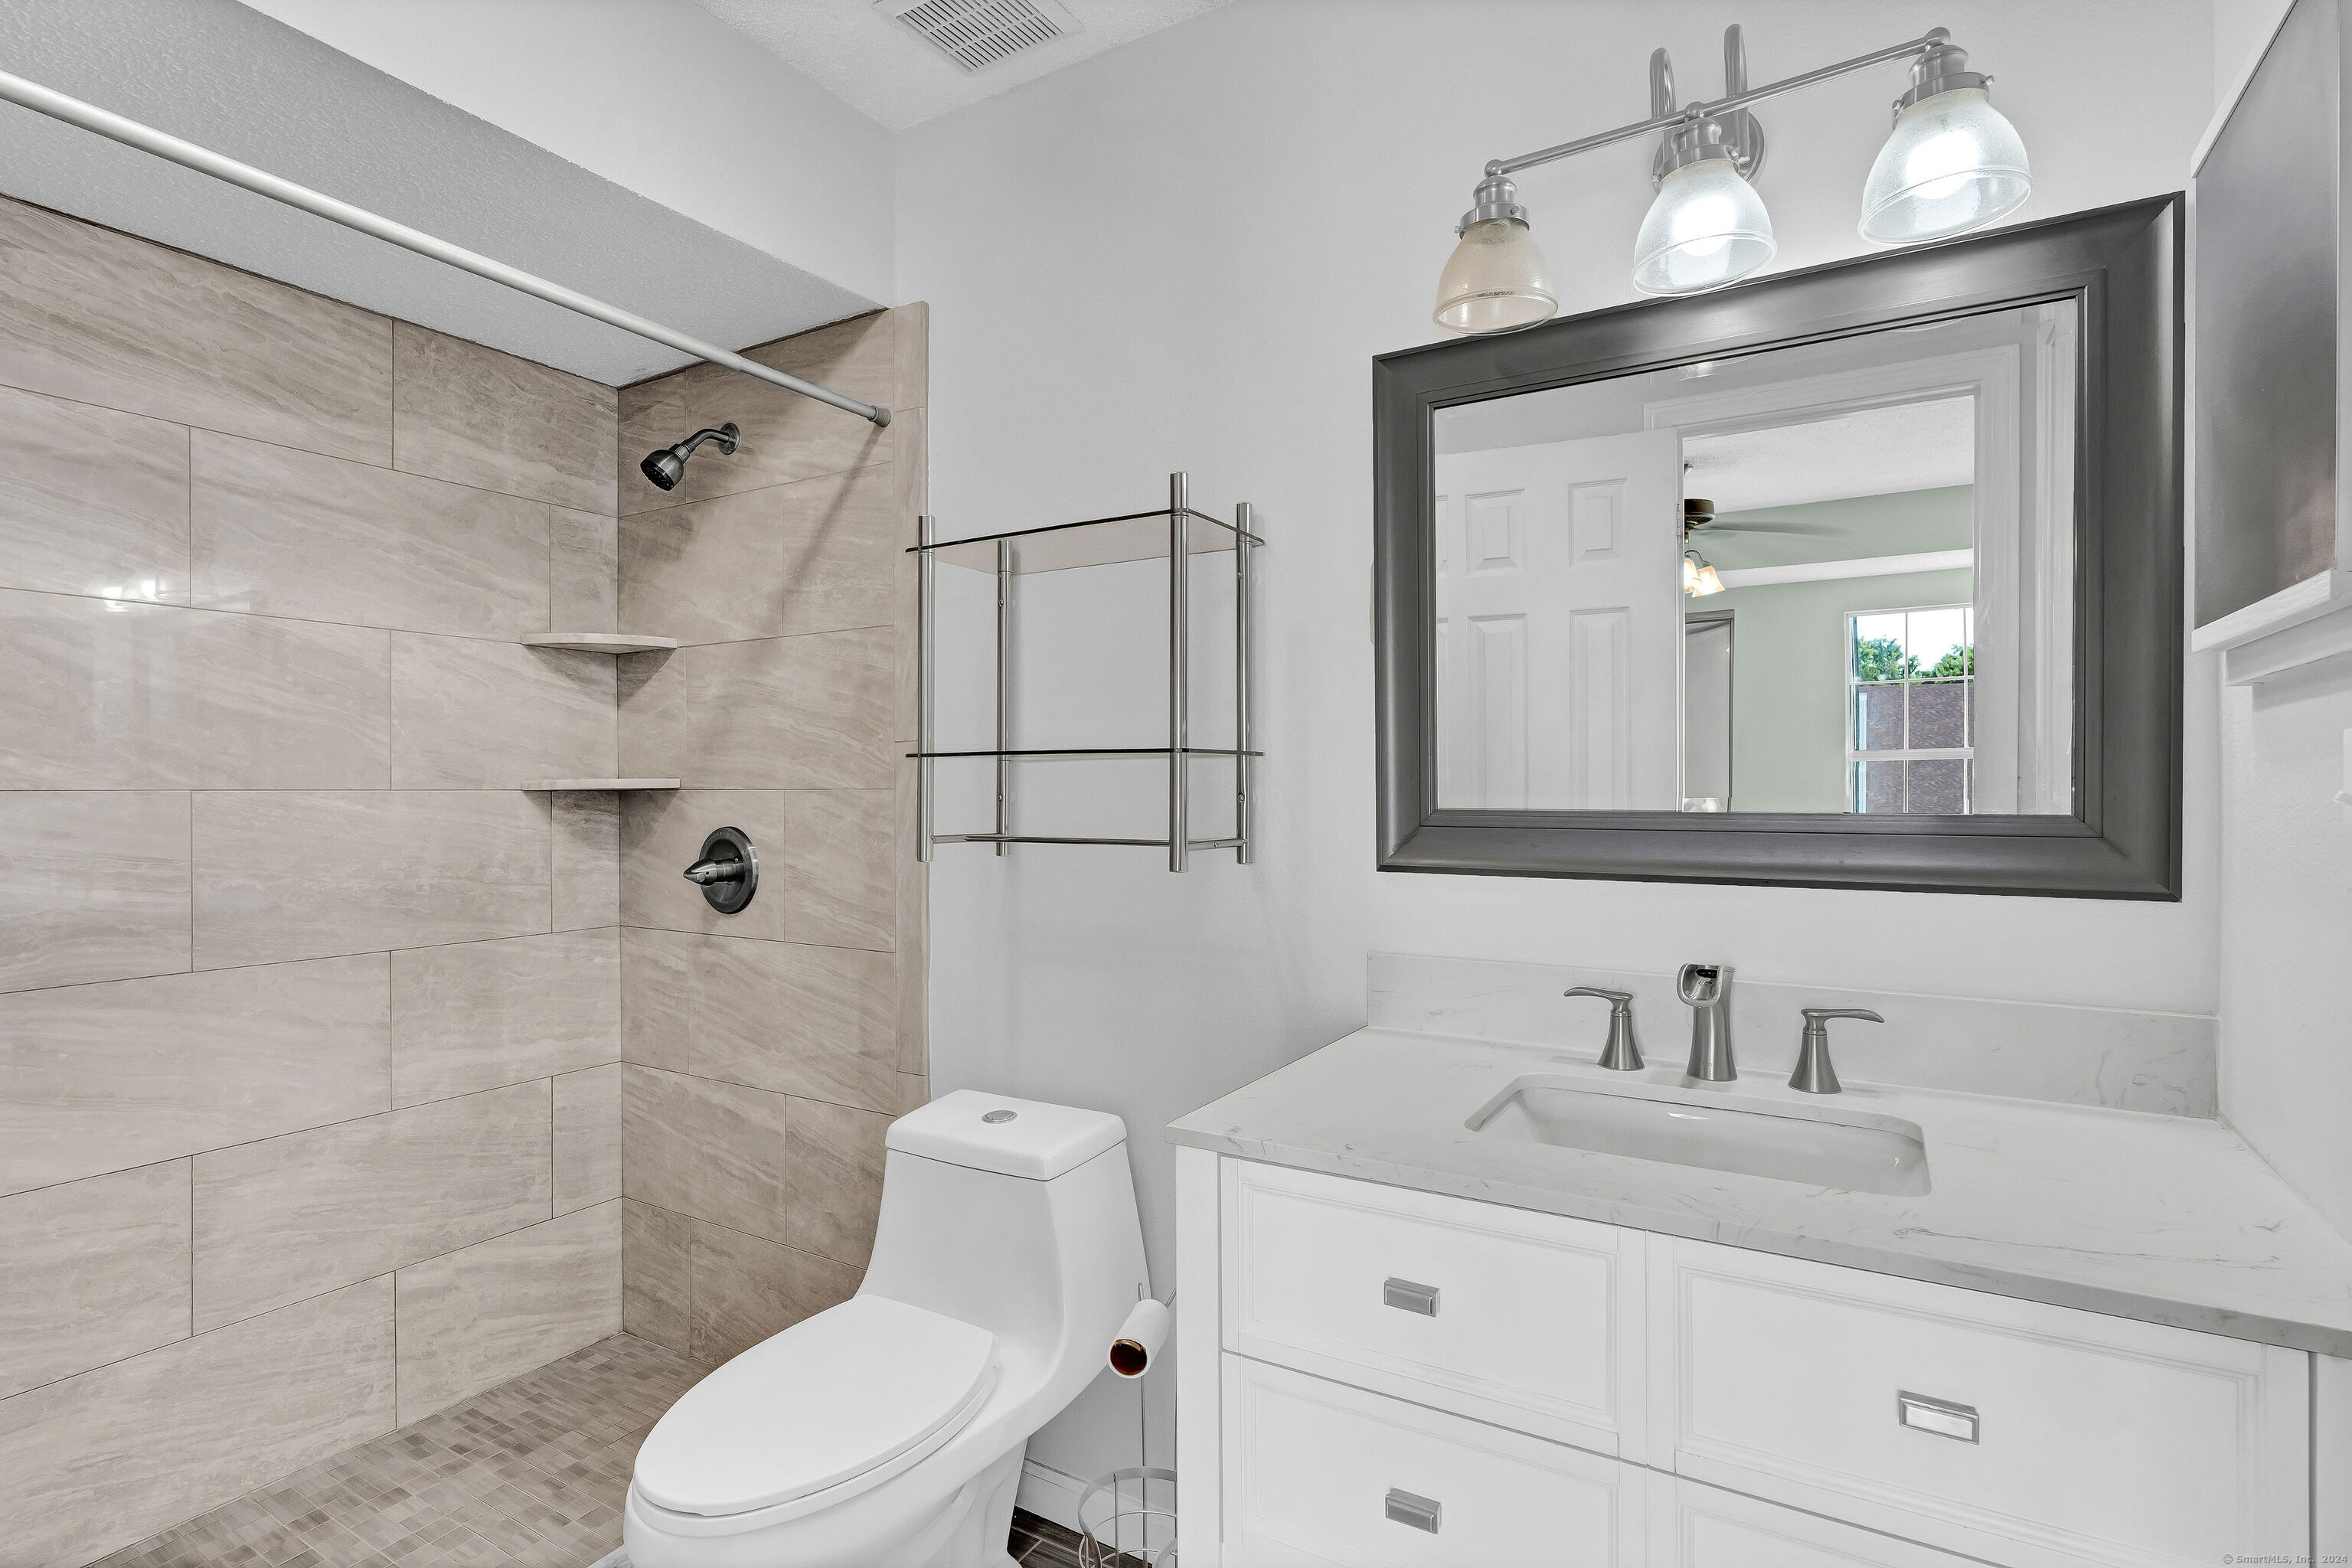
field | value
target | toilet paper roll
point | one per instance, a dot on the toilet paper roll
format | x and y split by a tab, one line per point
1140	1339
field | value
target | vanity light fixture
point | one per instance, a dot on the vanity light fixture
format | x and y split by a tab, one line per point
1953	164
1699	579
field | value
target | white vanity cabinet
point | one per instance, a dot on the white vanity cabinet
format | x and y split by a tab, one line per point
1372	1374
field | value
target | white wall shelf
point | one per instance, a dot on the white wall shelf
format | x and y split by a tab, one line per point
599	642
563	785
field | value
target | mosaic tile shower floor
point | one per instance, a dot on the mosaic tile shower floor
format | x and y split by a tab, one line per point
527	1475
530	1473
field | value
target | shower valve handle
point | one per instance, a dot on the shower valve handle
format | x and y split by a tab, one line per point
705	872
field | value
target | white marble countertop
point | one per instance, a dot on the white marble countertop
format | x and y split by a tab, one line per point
2171	1219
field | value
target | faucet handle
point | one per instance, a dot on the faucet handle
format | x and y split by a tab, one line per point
1814	1075
1624	1053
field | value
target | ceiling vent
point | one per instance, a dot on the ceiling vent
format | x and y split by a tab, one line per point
978	34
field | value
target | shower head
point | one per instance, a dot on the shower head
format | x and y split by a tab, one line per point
666	466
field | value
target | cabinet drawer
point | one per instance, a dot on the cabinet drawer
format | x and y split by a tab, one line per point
1694	1526
1318	1472
2031	1435
1530	1321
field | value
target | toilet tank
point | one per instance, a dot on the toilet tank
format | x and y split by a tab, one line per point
1024	1225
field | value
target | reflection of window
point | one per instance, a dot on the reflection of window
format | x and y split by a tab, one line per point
1911	710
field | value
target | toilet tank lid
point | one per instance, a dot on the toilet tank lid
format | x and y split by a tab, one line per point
1036	1140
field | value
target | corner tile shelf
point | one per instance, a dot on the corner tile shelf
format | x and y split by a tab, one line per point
559	785
599	642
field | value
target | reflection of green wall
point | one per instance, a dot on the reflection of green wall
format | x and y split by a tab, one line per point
1903	523
1788	680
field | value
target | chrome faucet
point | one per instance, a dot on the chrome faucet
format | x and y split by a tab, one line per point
1814	1075
1706	989
1624	1053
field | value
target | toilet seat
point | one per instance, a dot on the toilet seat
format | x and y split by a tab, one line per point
838	1396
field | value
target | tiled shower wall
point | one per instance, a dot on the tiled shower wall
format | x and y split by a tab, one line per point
310	1099
768	1049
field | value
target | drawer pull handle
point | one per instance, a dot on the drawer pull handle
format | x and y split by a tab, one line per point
1406	1296
1940	1416
1420	1512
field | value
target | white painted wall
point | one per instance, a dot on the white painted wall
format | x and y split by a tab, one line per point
2286	884
1184	253
658	96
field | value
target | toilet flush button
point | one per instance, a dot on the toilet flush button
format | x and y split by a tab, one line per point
994	1117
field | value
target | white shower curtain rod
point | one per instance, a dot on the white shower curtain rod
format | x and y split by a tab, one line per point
147	139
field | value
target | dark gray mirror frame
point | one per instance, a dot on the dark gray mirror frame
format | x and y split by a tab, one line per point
2122	266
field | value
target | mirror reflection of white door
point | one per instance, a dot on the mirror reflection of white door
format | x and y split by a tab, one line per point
1560	625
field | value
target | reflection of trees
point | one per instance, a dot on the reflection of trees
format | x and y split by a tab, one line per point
1883	658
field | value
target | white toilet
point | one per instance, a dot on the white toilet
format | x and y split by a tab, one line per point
888	1432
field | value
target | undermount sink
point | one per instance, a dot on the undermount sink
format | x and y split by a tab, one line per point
1851	1151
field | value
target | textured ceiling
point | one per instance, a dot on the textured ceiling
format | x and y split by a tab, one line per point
233	80
873	62
1870	452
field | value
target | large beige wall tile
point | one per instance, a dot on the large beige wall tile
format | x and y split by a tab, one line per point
711	571
114	696
110	1457
92	501
912	938
289	1217
582	570
785	437
818	1021
93	885
906	584
747	1290
714	1151
587	1137
101	316
803	712
97	1271
657	1276
477	416
480	1015
282	532
826	871
842	537
469	714
98	1077
587	858
833	1178
474	1318
300	874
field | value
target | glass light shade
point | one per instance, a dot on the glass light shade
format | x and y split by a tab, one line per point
1496	280
1707	227
1952	164
1699	580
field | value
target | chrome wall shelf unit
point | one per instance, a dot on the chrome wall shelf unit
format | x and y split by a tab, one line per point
1175	533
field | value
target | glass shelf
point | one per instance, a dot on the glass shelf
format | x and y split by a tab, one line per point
1096	542
1174	534
1097	751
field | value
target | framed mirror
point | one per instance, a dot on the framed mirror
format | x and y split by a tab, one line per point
1864	577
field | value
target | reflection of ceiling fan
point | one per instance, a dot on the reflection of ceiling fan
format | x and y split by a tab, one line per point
1699	513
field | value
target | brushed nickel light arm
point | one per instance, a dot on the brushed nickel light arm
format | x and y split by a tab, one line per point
1737	96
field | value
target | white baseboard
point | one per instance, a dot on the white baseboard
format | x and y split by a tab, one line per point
1050	1494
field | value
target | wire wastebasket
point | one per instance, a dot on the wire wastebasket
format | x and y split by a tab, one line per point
1127	1519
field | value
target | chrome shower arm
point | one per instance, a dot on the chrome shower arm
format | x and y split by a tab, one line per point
187	154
